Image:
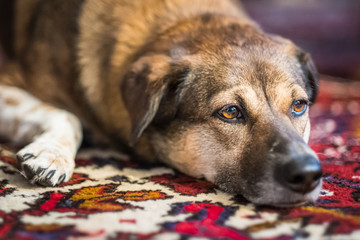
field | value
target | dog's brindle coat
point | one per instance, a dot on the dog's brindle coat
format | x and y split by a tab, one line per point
155	74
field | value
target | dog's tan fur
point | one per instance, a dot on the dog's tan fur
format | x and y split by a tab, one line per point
152	73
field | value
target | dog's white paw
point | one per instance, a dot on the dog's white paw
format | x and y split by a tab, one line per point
46	162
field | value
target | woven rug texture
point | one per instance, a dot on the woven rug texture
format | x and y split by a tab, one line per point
111	196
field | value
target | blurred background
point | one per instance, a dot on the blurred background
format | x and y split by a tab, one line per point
328	29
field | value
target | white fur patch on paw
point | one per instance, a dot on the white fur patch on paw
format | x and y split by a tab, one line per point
46	162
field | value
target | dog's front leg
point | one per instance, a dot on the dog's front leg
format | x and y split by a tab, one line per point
53	136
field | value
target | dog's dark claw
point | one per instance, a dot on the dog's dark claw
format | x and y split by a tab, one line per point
50	174
40	171
29	173
61	178
27	156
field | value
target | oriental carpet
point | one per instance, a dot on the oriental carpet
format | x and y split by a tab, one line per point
111	196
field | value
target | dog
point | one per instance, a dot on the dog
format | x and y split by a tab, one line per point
195	84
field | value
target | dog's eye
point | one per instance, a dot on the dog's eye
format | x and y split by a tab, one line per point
230	113
299	108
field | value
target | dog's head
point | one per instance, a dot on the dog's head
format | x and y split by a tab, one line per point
230	104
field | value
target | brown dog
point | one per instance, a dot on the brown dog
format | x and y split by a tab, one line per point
193	83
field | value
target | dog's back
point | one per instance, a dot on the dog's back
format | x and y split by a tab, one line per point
74	52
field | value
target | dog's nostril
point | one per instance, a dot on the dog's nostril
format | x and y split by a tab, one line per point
296	179
317	176
300	174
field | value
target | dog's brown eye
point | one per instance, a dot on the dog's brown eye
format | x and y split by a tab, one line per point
230	112
299	107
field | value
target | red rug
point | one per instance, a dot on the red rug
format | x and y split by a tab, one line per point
113	197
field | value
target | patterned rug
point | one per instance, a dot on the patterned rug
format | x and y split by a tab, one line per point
113	197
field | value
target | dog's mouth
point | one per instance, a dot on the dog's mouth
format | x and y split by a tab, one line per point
280	197
290	204
298	203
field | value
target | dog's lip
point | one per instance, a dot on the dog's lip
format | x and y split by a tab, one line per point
289	204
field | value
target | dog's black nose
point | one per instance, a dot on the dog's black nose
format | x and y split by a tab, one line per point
300	175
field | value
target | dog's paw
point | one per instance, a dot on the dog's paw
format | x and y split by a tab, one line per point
47	164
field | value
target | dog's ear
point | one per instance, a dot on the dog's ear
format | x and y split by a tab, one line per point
143	88
310	74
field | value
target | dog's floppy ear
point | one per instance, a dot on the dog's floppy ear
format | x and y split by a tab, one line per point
143	88
310	74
